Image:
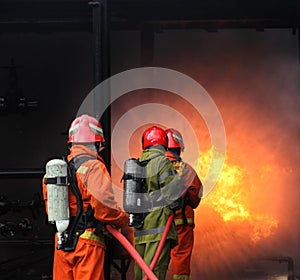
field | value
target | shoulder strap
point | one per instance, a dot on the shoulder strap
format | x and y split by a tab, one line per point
78	160
73	165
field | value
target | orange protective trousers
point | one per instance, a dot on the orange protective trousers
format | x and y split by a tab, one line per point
86	262
181	253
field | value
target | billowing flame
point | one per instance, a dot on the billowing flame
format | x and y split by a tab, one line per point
230	197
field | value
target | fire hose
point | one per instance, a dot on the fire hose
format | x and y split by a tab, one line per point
131	250
161	243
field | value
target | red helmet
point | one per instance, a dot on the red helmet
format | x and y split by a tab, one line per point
175	139
85	129
154	136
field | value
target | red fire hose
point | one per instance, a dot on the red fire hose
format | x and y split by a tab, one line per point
131	250
161	243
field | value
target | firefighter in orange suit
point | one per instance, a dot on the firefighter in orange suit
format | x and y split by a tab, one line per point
86	260
184	218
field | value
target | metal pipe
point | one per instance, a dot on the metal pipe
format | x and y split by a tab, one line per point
101	43
102	112
106	116
22	173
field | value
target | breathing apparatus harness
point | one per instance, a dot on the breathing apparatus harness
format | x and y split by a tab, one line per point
136	200
82	220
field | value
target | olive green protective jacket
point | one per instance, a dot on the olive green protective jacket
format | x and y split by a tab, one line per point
160	175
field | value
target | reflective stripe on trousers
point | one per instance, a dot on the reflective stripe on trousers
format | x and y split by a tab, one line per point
181	222
149	231
180	277
92	236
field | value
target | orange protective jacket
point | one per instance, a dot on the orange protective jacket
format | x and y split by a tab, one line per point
184	221
94	183
192	195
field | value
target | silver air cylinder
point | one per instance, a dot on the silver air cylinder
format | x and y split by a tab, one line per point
133	188
57	194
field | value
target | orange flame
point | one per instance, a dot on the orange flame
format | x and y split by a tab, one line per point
230	197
